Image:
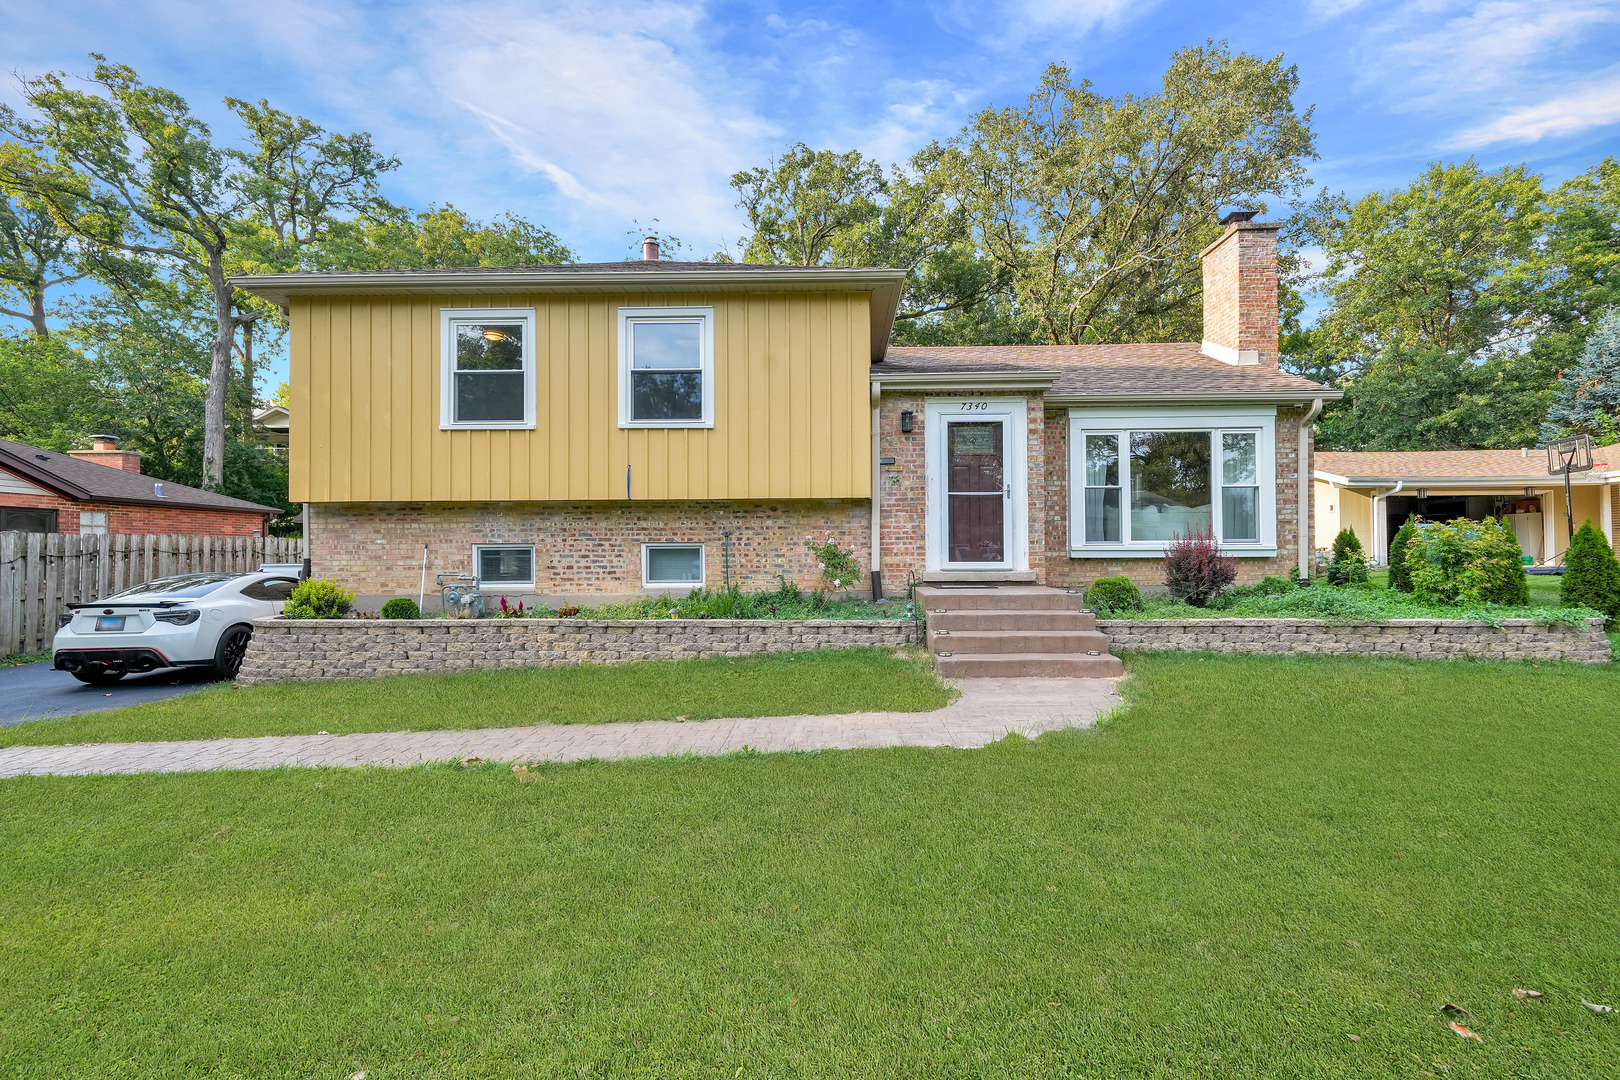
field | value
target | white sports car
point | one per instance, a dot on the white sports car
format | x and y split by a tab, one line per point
193	620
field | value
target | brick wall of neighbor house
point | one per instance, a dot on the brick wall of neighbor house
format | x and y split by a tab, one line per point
582	549
1065	572
143	519
904	486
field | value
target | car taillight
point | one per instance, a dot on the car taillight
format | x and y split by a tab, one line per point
63	619
179	618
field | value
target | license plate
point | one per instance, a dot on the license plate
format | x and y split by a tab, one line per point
110	622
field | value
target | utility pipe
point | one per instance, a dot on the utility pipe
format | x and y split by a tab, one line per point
877	492
1304	521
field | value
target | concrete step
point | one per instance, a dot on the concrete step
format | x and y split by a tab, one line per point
1029	665
986	619
1001	598
977	642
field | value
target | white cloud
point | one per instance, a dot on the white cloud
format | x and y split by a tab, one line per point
1594	105
1488	46
1012	23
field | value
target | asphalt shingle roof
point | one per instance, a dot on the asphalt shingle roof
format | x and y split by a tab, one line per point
1102	370
1461	464
87	481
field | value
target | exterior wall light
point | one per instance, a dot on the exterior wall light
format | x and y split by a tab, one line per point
907	420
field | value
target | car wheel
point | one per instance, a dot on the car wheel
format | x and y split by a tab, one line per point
99	678
231	651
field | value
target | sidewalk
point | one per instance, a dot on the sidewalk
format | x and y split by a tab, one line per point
987	710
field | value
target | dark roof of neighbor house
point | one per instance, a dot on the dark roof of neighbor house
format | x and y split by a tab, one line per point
1172	370
87	481
1375	466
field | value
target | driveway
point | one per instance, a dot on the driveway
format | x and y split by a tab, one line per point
36	692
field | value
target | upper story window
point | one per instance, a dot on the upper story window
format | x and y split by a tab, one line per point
1142	478
666	367
488	358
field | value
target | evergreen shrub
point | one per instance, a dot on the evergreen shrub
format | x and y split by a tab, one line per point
1591	573
1348	566
401	607
318	598
1400	574
1108	595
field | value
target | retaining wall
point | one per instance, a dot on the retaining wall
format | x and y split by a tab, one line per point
354	648
1417	639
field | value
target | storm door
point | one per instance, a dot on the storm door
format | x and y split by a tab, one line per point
976	491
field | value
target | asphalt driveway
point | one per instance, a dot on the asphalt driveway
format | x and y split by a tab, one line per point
36	692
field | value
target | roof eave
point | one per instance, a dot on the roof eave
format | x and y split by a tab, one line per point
1219	397
960	380
1535	480
43	478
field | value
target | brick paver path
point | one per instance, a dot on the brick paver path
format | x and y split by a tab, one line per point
987	710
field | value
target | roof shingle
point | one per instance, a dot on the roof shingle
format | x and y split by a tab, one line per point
1373	465
88	481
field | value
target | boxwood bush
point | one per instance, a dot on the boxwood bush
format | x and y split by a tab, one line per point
1108	595
401	607
318	598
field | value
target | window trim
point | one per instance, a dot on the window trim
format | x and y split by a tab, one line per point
1261	420
478	562
703	566
631	315
448	318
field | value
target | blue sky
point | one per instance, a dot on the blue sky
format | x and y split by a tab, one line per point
587	116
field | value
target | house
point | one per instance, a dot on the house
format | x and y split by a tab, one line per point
102	490
270	425
1373	493
611	428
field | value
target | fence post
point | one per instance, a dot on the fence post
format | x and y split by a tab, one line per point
10	592
32	583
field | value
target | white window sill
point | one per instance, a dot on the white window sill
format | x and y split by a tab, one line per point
628	425
1141	551
502	426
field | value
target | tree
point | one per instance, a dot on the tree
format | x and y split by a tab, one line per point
1577	275
440	236
48	393
35	255
1591	573
1400	571
1587	400
1095	209
130	169
818	207
1348	566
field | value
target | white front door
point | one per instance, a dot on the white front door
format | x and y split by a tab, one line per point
977	508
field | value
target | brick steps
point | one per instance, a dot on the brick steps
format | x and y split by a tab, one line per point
1016	631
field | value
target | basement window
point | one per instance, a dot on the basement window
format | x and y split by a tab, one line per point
504	564
92	523
665	566
488	368
666	367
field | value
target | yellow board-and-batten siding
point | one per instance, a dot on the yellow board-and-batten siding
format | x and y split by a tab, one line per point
791	419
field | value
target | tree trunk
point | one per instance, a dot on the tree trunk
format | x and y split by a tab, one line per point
247	377
219	374
36	313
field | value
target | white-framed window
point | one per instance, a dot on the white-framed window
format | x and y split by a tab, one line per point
92	523
487	356
1138	478
504	564
672	566
666	367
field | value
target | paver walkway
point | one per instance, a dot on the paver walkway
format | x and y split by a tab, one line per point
987	710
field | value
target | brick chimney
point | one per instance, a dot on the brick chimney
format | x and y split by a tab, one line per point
649	249
104	451
1240	292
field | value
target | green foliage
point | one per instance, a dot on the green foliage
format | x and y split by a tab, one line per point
1467	562
1400	573
49	395
318	598
1353	603
1348	566
1268	586
1108	595
401	607
440	236
1591	573
839	570
1587	401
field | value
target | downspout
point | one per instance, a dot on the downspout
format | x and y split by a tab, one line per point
1304	471
877	490
1380	525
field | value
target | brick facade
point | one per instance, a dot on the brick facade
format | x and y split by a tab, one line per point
1240	290
123	518
582	549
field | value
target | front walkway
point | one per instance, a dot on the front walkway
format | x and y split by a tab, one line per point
987	710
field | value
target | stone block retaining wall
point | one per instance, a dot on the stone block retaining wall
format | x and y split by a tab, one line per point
353	648
1417	639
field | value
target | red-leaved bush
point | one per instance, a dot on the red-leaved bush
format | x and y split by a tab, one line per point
1194	568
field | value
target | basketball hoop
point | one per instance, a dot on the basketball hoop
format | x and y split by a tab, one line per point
1564	457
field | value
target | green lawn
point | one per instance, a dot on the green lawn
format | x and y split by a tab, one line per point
853	680
1264	867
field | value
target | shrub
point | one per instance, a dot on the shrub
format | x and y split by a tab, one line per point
1400	574
1591	573
1348	566
401	607
318	598
838	566
1110	594
1270	585
1467	562
1277	585
1194	568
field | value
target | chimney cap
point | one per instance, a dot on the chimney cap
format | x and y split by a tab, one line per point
649	249
1233	216
114	439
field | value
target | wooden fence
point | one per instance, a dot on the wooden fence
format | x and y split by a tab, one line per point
39	572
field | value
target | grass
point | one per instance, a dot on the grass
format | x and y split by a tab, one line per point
832	681
1244	870
18	659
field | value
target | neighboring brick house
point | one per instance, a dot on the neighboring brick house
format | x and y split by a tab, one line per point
605	429
102	490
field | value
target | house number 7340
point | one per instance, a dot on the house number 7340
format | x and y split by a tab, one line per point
975	406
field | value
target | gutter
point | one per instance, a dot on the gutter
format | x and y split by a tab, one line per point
1303	473
1038	381
1219	397
1380	536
